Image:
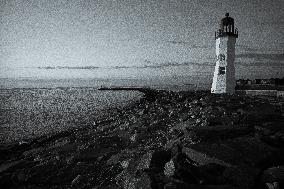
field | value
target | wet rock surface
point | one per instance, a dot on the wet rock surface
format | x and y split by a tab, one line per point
166	140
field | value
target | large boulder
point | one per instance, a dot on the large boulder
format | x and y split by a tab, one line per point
271	132
273	175
133	175
220	132
241	160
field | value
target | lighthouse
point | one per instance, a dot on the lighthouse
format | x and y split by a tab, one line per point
224	74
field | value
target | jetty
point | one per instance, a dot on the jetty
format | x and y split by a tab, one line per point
140	89
123	88
148	92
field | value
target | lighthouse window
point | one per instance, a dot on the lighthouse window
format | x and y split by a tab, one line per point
222	70
221	57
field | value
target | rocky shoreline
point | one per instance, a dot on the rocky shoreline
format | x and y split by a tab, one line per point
166	140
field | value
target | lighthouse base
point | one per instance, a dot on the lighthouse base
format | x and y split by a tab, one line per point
221	84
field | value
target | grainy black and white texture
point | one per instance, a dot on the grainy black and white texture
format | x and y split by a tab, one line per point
58	131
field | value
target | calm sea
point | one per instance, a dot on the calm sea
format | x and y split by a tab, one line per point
31	107
27	113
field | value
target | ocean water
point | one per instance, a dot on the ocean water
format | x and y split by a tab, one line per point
26	113
150	77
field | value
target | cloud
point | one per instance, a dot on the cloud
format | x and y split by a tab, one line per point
271	23
259	56
188	44
267	64
247	48
254	49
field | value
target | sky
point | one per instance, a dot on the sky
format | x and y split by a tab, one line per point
138	34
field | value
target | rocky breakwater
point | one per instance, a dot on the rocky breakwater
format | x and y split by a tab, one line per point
166	140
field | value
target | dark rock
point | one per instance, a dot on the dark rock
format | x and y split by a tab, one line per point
123	155
81	168
273	160
8	165
42	173
262	112
159	159
211	173
22	176
133	138
169	169
248	151
92	154
203	159
146	171
145	161
274	185
276	139
241	176
273	174
33	152
143	182
70	159
133	175
220	132
176	184
271	132
8	181
184	125
213	121
66	148
185	168
195	186
77	182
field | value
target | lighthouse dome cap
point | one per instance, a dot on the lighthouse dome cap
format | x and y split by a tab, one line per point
227	21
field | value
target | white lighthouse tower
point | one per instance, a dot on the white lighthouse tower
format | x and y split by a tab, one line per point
224	74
